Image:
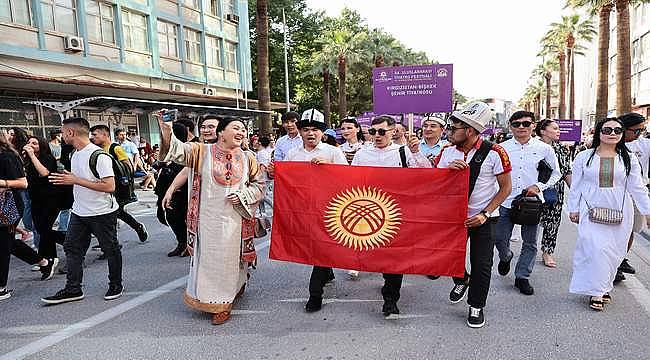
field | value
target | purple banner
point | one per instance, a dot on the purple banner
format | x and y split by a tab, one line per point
413	89
570	130
491	131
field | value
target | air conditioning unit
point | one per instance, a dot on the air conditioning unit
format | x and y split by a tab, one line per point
209	91
233	18
176	87
74	43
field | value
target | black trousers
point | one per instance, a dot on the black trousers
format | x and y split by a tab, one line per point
128	219
77	241
321	275
481	252
176	221
9	245
43	217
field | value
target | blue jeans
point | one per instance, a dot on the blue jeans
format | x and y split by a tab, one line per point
528	247
27	216
64	218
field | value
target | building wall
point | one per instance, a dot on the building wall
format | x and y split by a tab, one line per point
130	41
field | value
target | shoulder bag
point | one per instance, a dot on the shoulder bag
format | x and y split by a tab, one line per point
607	216
9	214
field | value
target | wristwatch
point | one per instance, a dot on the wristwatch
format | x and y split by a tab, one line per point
486	213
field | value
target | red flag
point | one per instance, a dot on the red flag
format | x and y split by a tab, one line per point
390	220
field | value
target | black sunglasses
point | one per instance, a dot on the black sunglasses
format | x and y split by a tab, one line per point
452	128
636	132
381	132
516	124
610	130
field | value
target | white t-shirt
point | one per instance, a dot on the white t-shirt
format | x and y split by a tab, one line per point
89	202
641	148
326	151
486	186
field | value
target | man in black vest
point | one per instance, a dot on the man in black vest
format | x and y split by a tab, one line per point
490	185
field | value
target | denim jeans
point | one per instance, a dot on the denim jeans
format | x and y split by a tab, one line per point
77	241
64	219
27	216
528	246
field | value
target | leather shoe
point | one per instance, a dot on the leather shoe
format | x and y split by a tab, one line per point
314	304
626	267
504	265
524	286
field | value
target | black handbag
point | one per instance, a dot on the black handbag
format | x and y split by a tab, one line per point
544	171
526	210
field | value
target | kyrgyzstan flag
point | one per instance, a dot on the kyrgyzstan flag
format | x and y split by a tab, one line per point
374	219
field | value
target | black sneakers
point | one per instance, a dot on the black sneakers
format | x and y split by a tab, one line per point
114	292
626	267
504	265
143	235
524	286
475	318
314	304
47	271
619	277
458	293
5	294
63	296
390	309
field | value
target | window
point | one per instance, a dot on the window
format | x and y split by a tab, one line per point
60	15
191	3
135	31
231	56
192	45
15	11
214	7
100	21
229	7
213	51
167	39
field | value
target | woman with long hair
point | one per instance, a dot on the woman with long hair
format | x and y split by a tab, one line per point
44	196
18	139
12	178
606	179
353	136
549	132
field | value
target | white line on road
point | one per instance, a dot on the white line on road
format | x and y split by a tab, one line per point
330	301
640	292
76	328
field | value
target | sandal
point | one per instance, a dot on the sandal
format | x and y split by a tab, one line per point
607	298
595	303
220	317
548	260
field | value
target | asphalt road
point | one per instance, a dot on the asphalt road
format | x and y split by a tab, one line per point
151	322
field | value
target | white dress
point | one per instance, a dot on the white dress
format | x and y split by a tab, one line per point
601	248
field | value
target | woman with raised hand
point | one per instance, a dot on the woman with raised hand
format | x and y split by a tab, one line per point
606	180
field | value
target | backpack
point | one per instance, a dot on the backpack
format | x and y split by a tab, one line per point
124	184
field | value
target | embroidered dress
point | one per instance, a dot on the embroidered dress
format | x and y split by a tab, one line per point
222	239
350	149
601	248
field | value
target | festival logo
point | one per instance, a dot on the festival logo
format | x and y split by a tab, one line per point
363	218
383	77
442	72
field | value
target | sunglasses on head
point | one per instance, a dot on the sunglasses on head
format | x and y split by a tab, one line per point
516	124
610	130
381	132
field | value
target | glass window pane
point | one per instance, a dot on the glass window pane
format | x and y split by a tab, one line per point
128	40
163	49
65	21
21	12
94	30
107	11
162	27
108	32
92	7
140	39
140	20
68	3
48	16
5	12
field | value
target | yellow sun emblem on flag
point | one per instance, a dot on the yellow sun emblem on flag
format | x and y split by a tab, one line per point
363	218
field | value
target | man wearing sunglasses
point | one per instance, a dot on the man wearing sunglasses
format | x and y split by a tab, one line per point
385	153
490	185
525	153
634	129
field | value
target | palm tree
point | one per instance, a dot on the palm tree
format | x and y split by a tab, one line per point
554	44
382	46
322	64
545	71
263	85
347	48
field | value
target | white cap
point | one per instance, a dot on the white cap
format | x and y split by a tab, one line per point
312	117
438	120
476	114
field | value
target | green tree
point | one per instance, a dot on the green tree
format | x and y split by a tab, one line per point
262	46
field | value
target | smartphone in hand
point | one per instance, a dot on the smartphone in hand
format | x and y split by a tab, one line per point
169	115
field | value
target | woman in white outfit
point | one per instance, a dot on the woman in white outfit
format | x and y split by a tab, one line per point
605	176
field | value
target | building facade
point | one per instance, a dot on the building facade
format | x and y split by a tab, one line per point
189	51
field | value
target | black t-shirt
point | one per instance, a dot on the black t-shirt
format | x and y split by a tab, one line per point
11	168
40	189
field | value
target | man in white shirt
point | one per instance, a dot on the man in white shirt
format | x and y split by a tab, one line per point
525	153
312	125
291	139
490	185
385	153
94	211
399	135
634	127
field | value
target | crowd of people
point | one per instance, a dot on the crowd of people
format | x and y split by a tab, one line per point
215	191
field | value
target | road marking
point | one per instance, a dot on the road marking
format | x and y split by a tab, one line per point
89	323
31	329
640	292
330	301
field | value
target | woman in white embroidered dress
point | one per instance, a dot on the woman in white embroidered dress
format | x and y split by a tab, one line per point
220	236
606	176
351	133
